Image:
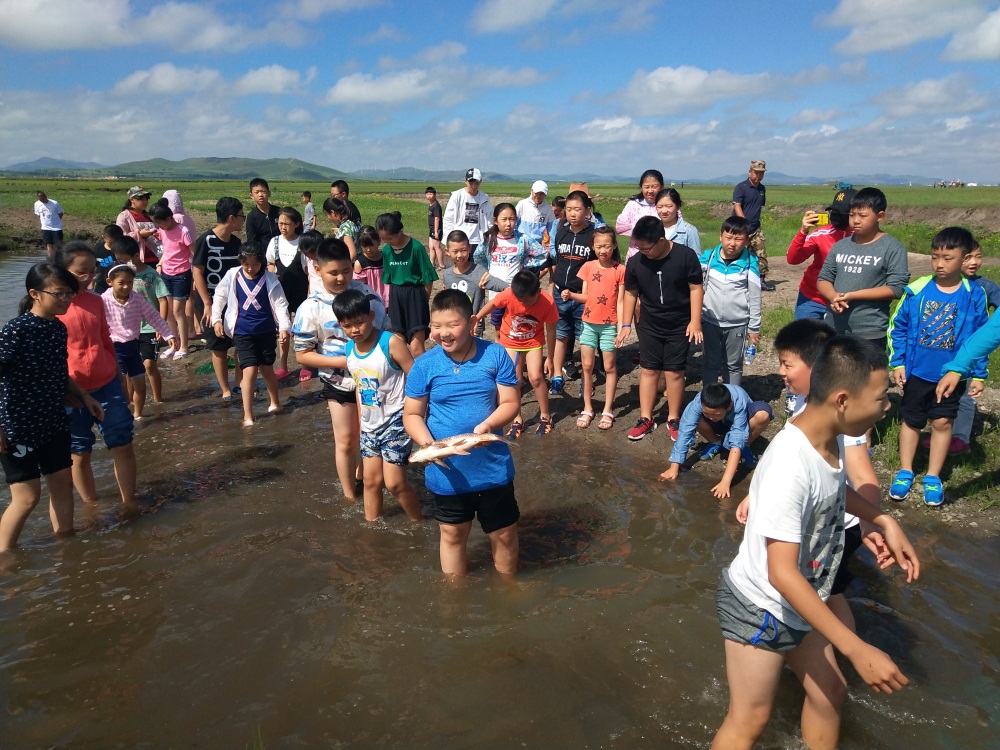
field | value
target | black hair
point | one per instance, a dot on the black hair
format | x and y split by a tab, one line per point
616	254
259	182
65	254
307	194
670	193
456	235
390	223
332	249
648	229
580	195
840	221
41	193
368	237
452	300
125	246
869	197
656	175
736	225
310	241
120	269
161	211
38	278
806	338
716	396
500	207
226	207
491	234
430	189
128	203
560	201
292	213
845	363
957	237
342	187
336	206
113	231
350	305
525	285
252	249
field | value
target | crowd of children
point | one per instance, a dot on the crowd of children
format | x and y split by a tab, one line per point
357	308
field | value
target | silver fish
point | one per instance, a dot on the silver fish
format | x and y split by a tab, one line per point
456	445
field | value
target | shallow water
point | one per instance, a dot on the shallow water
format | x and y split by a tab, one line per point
248	599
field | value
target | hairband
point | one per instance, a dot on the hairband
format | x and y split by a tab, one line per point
120	265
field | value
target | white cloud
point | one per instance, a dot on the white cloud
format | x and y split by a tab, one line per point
953	124
271	79
951	94
166	78
448	50
396	87
812	116
878	26
501	16
670	90
979	43
384	33
313	9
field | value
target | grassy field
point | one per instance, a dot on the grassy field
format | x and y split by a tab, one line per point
99	201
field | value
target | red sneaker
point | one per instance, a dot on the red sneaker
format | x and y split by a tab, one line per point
674	426
641	429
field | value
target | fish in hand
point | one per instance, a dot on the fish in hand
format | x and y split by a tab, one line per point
456	445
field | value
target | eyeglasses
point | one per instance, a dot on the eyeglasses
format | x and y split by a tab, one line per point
239	216
61	296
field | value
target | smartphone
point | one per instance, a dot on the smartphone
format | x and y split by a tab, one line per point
822	219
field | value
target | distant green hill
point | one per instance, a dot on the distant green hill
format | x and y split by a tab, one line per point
215	168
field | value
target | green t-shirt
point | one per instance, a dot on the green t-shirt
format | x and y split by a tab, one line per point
411	265
151	286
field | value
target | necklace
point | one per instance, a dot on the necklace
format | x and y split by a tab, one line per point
463	359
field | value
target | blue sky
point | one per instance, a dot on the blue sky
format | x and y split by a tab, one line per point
695	89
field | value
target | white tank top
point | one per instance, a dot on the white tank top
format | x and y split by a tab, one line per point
380	382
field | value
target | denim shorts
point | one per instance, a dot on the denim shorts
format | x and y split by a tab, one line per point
570	321
744	622
178	286
116	429
809	309
129	358
390	442
599	336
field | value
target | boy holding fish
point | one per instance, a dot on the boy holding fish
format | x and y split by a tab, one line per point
465	385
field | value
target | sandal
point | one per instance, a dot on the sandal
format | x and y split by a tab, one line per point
516	428
281	373
248	423
900	487
584	420
273	409
607	421
305	375
544	426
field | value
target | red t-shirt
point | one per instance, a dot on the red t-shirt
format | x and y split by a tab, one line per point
602	291
523	327
91	355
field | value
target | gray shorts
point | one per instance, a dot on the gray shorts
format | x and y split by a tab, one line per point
744	622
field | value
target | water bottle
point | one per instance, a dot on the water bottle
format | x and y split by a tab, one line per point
750	353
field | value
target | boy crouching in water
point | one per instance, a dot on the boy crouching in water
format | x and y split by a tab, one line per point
466	385
772	599
378	361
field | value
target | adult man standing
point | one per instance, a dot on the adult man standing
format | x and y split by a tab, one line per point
749	198
342	192
534	214
50	213
469	210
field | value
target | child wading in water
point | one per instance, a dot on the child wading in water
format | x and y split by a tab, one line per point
407	269
284	260
34	385
256	319
368	265
175	270
602	295
126	311
379	361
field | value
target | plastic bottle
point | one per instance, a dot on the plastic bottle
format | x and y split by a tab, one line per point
750	353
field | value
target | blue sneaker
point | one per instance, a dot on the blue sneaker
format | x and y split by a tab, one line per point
748	458
933	491
711	451
900	487
556	387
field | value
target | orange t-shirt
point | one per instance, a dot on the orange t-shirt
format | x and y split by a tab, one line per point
601	306
523	326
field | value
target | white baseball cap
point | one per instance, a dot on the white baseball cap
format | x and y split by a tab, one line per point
474	174
539	186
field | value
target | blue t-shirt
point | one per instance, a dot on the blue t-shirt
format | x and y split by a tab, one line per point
936	347
456	403
255	317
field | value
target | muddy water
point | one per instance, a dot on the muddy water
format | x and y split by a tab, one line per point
247	600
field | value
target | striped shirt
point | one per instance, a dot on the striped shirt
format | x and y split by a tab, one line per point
124	320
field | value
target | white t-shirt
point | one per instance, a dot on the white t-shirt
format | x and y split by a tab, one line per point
800	499
504	261
286	250
49	215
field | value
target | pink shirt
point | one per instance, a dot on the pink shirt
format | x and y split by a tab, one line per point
124	320
176	256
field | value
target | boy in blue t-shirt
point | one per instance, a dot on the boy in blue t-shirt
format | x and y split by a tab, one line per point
466	385
936	315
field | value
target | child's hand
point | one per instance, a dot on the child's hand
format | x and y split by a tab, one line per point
721	490
565	295
840	303
902	551
743	510
219	330
548	369
976	388
878	670
483	279
899	376
670	474
481	429
947	385
283	337
172	342
810	220
92	405
874	541
622	336
754	337
694	333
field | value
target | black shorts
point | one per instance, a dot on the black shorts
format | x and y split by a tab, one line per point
338	394
496	508
920	402
217	343
52	236
21	464
256	350
409	310
852	541
129	358
149	347
665	353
